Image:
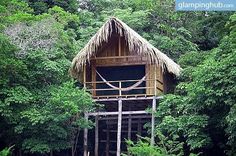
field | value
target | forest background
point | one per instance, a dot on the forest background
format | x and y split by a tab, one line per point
41	110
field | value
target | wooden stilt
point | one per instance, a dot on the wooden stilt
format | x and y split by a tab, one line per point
72	151
96	136
153	119
155	83
85	77
129	127
119	127
20	152
107	141
86	138
139	127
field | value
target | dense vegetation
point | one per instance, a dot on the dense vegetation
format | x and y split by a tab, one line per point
41	110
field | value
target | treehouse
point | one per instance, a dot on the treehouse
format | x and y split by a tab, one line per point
126	74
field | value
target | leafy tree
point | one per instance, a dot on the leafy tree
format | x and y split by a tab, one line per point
5	152
41	6
201	112
55	124
210	29
143	147
41	109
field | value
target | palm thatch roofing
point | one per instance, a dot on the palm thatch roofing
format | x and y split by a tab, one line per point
134	41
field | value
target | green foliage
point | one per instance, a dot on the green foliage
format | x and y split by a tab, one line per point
57	121
201	113
5	152
210	29
164	147
179	123
10	66
40	107
171	146
43	6
42	110
135	19
143	147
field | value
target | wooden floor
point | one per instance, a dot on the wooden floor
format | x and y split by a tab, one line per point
123	96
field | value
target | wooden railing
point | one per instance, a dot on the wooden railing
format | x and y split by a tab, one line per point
99	89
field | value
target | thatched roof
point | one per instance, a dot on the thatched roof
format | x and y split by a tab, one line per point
134	41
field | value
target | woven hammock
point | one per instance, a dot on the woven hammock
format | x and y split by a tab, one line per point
122	89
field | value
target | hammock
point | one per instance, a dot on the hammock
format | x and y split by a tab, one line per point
122	89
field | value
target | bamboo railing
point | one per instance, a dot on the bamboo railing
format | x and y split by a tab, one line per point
99	89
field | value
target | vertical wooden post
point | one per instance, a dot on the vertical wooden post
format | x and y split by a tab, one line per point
119	127
86	117
119	48
120	92
85	76
153	120
20	152
94	78
96	136
139	127
72	151
86	137
155	83
107	141
129	127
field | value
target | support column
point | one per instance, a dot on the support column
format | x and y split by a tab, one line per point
129	127
119	127
86	137
107	141
153	120
85	77
96	136
139	127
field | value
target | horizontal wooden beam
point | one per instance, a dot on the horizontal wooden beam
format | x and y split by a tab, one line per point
114	131
111	141
118	63
126	117
147	97
117	81
122	97
116	113
114	57
107	89
125	122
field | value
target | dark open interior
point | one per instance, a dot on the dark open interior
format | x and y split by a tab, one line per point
117	73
